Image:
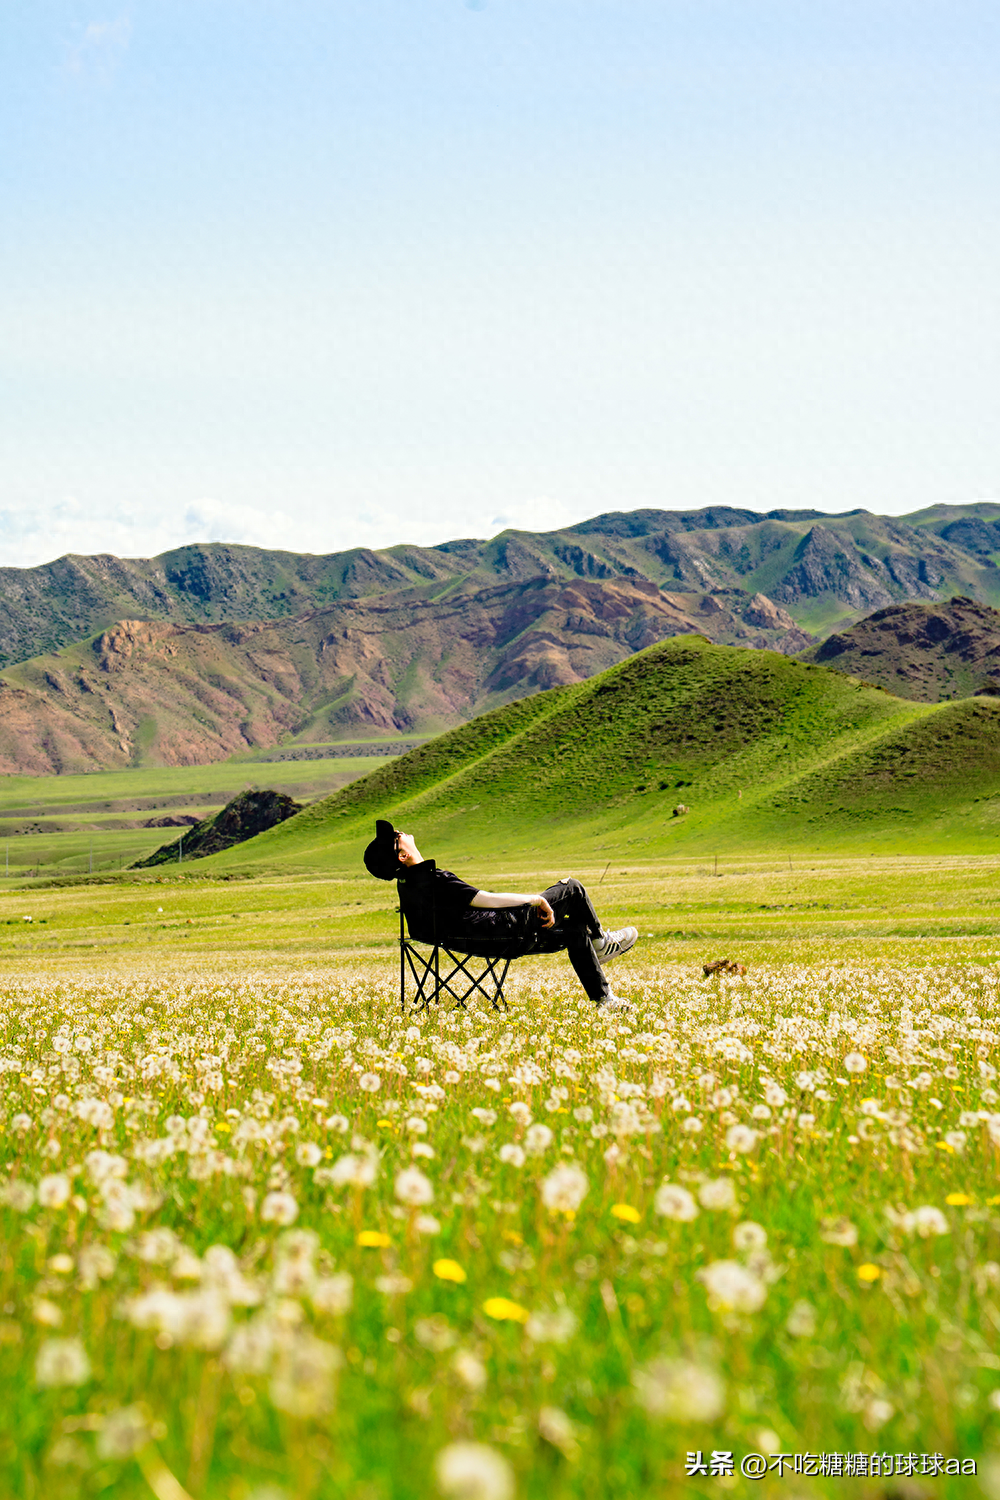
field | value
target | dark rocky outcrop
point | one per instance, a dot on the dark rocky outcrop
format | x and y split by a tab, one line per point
247	815
927	652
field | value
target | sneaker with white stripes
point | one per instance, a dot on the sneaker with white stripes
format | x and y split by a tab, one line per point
613	1003
610	944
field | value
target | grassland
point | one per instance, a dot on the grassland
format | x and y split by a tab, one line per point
766	909
263	1236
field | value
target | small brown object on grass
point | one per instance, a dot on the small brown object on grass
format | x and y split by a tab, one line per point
723	966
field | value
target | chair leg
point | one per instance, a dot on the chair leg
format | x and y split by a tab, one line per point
402	977
477	983
429	981
423	993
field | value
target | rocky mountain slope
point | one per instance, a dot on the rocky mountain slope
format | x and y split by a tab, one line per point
921	651
163	693
824	570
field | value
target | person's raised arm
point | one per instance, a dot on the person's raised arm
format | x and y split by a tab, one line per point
502	900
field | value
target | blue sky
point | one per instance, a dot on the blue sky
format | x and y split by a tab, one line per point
323	273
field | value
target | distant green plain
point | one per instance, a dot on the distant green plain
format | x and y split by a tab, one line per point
70	825
897	909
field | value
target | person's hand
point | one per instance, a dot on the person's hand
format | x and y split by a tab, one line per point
546	915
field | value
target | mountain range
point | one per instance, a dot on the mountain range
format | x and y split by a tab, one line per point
211	649
158	692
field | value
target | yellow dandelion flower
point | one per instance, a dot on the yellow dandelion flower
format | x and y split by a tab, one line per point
992	1202
945	1146
959	1200
448	1270
627	1212
374	1238
505	1311
512	1237
868	1272
385	1125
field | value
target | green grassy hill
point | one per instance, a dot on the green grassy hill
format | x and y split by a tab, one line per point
764	751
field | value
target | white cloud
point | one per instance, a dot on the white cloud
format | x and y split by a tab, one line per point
98	51
29	537
541	514
33	535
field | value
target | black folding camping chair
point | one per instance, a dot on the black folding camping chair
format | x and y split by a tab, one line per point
454	976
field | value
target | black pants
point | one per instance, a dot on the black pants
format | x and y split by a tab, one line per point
576	927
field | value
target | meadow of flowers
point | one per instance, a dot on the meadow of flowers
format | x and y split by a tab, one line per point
274	1241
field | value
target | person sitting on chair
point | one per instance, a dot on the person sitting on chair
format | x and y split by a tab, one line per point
439	907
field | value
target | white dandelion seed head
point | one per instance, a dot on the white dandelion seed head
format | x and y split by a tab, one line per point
876	1412
302	1382
538	1139
801	1320
354	1170
413	1188
473	1471
718	1195
928	1222
741	1138
62	1362
558	1429
565	1188
556	1327
333	1295
838	1231
470	1369
54	1191
675	1202
678	1390
748	1236
732	1287
279	1208
125	1431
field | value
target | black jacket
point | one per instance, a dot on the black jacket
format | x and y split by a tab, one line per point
436	906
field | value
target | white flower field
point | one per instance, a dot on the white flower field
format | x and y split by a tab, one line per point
266	1239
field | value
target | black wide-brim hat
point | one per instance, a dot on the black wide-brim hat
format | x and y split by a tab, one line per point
381	858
